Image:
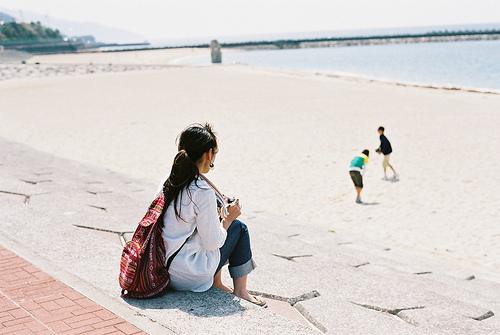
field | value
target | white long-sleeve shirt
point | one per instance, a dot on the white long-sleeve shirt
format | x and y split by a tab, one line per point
193	268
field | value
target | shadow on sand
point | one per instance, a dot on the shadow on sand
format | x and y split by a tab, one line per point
370	203
206	304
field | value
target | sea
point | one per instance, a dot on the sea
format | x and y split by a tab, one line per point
464	64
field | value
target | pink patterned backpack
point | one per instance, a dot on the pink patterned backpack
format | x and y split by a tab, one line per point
143	273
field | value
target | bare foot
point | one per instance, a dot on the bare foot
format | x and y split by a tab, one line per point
248	297
223	287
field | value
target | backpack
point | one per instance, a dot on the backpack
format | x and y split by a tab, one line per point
143	273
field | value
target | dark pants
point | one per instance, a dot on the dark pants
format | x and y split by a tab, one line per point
357	178
236	250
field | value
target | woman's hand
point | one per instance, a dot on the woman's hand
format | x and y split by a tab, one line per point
230	213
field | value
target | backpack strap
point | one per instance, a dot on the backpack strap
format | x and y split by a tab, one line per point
175	253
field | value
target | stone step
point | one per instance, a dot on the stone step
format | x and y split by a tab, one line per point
389	263
389	289
452	280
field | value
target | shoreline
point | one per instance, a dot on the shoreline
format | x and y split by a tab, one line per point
25	71
368	79
341	75
176	57
189	60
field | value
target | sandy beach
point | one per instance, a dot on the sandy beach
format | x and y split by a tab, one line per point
285	143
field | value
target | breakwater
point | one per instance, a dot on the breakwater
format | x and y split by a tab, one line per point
433	36
439	36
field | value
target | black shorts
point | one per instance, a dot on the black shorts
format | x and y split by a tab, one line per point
357	178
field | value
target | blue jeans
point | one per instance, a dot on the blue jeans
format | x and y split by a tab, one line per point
236	250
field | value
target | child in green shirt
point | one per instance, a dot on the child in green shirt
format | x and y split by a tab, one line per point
356	170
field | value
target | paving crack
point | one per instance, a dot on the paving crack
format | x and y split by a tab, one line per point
293	235
422	273
299	308
303	297
472	277
42	173
396	311
27	197
344	243
121	234
360	265
312	320
122	238
291	258
34	182
485	316
98	207
98	192
269	295
407	319
292	301
102	229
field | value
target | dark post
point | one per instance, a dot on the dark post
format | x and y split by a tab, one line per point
215	52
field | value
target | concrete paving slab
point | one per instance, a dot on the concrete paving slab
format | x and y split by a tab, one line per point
448	322
341	317
387	289
215	312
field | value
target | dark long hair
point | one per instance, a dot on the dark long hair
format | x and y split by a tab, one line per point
193	142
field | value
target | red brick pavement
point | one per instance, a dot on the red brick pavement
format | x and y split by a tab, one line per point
32	302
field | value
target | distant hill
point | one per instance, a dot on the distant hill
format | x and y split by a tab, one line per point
27	32
5	18
102	33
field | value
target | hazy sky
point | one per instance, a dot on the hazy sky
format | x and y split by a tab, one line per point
166	19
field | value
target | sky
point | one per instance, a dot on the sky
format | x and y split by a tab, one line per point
182	19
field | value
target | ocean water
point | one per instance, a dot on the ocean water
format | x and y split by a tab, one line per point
470	64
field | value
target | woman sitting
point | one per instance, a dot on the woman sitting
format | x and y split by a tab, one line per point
206	236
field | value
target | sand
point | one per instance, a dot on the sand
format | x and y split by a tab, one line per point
286	140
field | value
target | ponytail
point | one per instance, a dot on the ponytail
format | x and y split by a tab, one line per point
183	172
